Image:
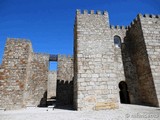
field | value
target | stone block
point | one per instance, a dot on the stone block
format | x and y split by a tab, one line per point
105	105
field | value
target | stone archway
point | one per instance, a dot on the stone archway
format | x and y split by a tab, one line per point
124	94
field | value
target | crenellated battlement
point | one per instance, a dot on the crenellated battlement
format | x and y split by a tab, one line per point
148	16
139	16
91	12
133	22
64	56
65	68
41	54
118	27
19	40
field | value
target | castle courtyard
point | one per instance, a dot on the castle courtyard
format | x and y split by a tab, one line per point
127	112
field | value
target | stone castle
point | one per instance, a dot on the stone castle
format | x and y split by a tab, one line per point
111	65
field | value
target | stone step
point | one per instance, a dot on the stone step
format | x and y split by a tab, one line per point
31	106
49	99
51	107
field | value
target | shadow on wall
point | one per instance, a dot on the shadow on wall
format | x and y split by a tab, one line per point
43	101
64	94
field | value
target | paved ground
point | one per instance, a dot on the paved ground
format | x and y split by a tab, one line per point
126	112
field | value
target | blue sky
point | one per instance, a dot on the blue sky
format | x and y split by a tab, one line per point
49	23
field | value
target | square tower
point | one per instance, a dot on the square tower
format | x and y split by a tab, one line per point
95	82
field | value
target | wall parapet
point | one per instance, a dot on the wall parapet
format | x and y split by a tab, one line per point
42	54
92	12
19	40
65	56
118	27
132	23
139	16
149	16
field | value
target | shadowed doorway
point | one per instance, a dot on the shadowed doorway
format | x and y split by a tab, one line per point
124	94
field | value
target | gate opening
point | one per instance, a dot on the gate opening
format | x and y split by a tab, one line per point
124	94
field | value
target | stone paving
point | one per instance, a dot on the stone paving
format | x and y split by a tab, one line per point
126	112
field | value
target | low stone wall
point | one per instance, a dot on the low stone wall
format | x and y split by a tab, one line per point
65	80
64	93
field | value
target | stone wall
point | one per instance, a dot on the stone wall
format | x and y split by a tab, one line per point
52	84
36	86
144	85
119	31
131	77
151	32
99	66
13	74
65	68
96	79
23	75
65	80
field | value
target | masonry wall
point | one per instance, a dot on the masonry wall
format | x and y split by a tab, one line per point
95	77
139	57
131	77
36	86
65	68
23	76
98	66
151	33
13	73
126	70
118	31
52	84
65	80
121	32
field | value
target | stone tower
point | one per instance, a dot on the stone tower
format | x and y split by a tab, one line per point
112	64
143	46
98	66
101	65
23	75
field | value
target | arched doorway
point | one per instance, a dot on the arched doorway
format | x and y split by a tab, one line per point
124	94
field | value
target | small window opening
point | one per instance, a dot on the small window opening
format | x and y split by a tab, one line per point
117	41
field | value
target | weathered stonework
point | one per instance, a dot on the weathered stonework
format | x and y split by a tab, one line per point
23	76
140	80
131	77
65	68
110	64
13	73
150	25
96	63
36	86
65	80
52	84
100	66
